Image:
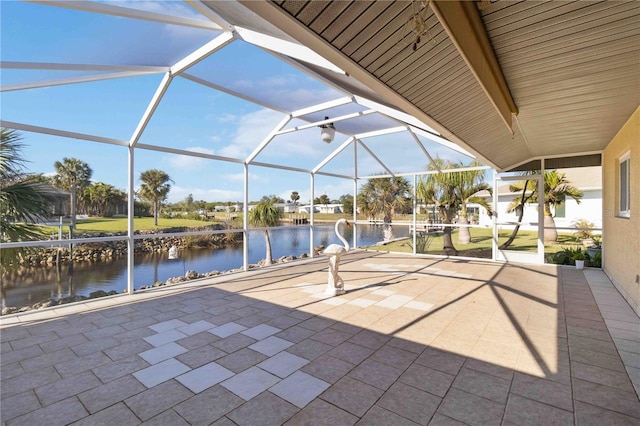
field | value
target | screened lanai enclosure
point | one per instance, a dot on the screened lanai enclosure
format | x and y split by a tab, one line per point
229	106
233	101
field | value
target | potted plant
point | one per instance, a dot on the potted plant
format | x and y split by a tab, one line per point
596	246
584	232
579	257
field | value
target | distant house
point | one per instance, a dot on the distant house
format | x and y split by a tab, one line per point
586	179
307	209
290	208
322	208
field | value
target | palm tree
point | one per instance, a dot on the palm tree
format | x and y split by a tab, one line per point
517	205
382	197
23	199
347	203
556	188
104	198
155	189
439	189
265	214
323	199
71	175
295	197
470	183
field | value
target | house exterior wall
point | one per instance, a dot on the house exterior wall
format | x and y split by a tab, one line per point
621	236
590	209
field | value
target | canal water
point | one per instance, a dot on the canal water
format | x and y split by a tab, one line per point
41	283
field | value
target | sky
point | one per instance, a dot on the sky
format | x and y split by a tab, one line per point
190	117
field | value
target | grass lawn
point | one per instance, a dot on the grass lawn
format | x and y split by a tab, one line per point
98	225
480	245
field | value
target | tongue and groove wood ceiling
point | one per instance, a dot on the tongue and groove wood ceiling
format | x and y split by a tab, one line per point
512	81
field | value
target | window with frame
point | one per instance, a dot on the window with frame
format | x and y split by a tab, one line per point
624	190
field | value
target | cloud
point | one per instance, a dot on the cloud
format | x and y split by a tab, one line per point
239	177
186	162
252	129
227	118
335	190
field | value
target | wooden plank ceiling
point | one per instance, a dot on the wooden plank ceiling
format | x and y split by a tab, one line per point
571	67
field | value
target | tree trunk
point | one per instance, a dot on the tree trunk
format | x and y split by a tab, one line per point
550	232
524	199
155	213
448	248
387	230
464	232
447	242
268	260
507	243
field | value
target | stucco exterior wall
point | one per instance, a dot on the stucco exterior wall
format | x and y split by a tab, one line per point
621	236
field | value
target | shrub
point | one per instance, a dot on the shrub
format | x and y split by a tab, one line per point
584	233
596	260
423	241
568	256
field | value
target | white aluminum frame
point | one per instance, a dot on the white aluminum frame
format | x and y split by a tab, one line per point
223	34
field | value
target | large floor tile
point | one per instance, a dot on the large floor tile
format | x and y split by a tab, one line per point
250	383
204	377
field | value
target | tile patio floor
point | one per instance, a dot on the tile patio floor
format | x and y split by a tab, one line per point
413	341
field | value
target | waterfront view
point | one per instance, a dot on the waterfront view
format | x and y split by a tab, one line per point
35	284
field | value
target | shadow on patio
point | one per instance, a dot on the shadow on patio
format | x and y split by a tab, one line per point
413	341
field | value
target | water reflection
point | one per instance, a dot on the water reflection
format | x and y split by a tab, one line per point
33	284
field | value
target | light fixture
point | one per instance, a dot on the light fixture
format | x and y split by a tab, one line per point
328	132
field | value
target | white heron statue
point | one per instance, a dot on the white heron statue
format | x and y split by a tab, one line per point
335	284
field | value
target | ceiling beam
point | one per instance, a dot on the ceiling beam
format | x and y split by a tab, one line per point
462	22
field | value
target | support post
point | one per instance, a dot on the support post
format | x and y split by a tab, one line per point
355	195
494	218
311	215
245	220
541	225
130	229
415	207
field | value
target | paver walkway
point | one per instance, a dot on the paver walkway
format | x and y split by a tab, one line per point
413	341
